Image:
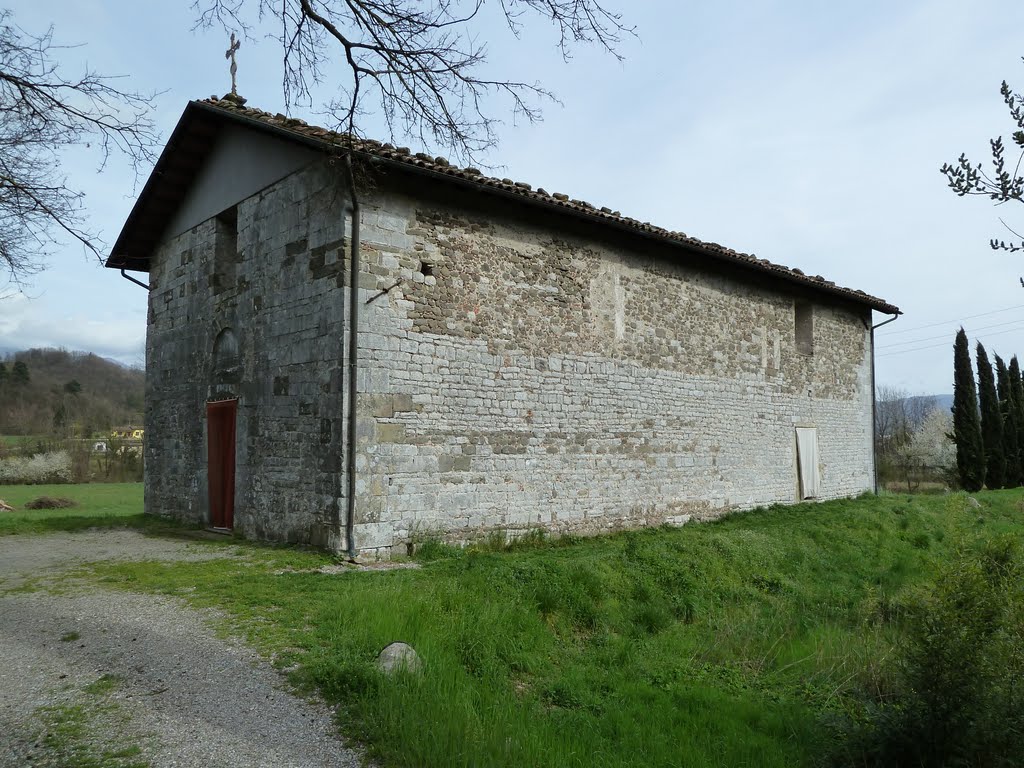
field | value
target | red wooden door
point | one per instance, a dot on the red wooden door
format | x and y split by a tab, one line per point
220	425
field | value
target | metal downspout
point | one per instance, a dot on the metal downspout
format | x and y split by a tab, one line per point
353	363
126	276
874	403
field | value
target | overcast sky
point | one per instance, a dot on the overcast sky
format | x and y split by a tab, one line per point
808	133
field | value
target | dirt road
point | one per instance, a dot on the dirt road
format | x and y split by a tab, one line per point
122	679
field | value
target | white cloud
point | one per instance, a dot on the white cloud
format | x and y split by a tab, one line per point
26	323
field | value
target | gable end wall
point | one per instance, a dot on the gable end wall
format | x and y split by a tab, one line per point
278	293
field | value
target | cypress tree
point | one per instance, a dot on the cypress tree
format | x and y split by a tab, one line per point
1017	391
991	422
970	453
20	374
1008	411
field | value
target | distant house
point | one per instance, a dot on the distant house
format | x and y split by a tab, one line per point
128	433
521	360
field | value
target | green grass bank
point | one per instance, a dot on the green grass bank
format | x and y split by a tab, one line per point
753	641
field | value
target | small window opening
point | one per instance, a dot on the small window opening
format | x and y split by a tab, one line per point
426	268
227	231
225	249
803	322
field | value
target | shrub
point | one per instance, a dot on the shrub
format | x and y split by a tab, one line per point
40	469
959	700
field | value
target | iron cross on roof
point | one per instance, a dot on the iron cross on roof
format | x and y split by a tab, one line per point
230	54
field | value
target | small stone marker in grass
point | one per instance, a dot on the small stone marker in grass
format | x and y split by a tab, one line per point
399	657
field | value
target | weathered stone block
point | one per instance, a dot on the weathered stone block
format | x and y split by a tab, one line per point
390	433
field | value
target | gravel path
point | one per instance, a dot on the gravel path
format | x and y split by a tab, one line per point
140	671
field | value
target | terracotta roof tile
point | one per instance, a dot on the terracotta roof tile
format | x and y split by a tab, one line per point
402	155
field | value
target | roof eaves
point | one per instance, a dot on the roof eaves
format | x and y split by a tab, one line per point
153	193
298	130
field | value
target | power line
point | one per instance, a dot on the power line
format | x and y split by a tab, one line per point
1018	321
952	320
936	346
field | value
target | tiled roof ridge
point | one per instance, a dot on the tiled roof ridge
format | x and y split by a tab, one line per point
404	155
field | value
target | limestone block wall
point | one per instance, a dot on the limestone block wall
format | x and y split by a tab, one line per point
515	373
250	305
516	370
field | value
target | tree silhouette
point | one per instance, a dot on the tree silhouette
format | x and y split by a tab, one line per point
991	422
1017	392
970	452
19	374
419	63
43	111
1008	412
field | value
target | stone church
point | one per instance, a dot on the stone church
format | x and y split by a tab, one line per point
358	347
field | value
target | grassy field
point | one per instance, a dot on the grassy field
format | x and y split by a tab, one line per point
99	505
754	641
14	441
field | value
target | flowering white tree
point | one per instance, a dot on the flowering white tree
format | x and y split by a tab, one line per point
929	451
932	442
39	469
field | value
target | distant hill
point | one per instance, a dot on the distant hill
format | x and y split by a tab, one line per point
67	393
936	401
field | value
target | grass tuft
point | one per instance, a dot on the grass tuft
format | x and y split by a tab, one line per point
102	685
86	731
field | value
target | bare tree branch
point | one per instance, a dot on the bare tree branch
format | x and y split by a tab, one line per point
42	113
416	62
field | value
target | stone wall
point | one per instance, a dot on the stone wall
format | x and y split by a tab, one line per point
517	371
251	306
